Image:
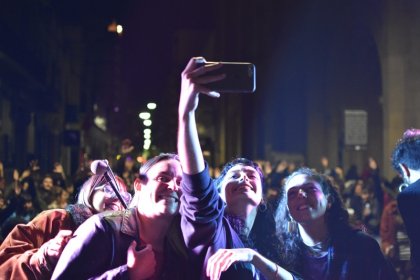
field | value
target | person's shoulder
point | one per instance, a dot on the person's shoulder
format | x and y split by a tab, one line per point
117	218
51	215
362	240
410	192
112	215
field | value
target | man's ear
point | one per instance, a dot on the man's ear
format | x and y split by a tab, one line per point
138	183
405	170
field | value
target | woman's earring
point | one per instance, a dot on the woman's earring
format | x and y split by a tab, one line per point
291	225
263	206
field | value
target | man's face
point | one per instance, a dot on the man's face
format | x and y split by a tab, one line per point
160	192
47	183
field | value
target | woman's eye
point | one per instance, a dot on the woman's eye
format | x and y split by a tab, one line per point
235	176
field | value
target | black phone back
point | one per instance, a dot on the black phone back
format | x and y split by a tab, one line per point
240	77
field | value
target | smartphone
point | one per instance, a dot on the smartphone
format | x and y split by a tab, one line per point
240	77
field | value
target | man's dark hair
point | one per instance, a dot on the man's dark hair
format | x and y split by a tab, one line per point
407	151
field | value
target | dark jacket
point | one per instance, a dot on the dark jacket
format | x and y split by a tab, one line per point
353	255
409	206
205	228
99	249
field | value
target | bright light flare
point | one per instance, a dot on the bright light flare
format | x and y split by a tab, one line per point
119	29
144	115
151	106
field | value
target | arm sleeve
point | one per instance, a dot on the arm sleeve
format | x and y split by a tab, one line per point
120	272
18	252
201	210
89	254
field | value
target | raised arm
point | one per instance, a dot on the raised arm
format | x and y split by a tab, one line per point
193	83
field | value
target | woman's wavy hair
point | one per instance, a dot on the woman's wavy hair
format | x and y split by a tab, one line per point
337	217
263	236
85	194
146	167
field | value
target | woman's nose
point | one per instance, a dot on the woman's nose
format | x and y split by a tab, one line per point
302	193
243	177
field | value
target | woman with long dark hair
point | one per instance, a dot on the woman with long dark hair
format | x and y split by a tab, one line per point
222	217
317	240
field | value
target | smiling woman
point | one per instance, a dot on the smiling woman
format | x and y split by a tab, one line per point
317	240
218	228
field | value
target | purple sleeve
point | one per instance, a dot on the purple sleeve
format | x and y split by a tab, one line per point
88	255
201	210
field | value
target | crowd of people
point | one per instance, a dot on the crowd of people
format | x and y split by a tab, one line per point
250	222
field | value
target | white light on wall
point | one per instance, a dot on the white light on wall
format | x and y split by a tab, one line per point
151	106
144	115
147	131
119	29
147	122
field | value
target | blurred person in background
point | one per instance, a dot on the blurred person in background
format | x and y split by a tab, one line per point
46	193
61	201
59	176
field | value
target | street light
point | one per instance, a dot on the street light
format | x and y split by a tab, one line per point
144	115
147	131
115	28
151	106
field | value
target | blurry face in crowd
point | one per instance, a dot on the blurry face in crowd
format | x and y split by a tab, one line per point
305	199
324	162
358	188
129	164
241	184
159	193
28	205
64	195
47	183
2	203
